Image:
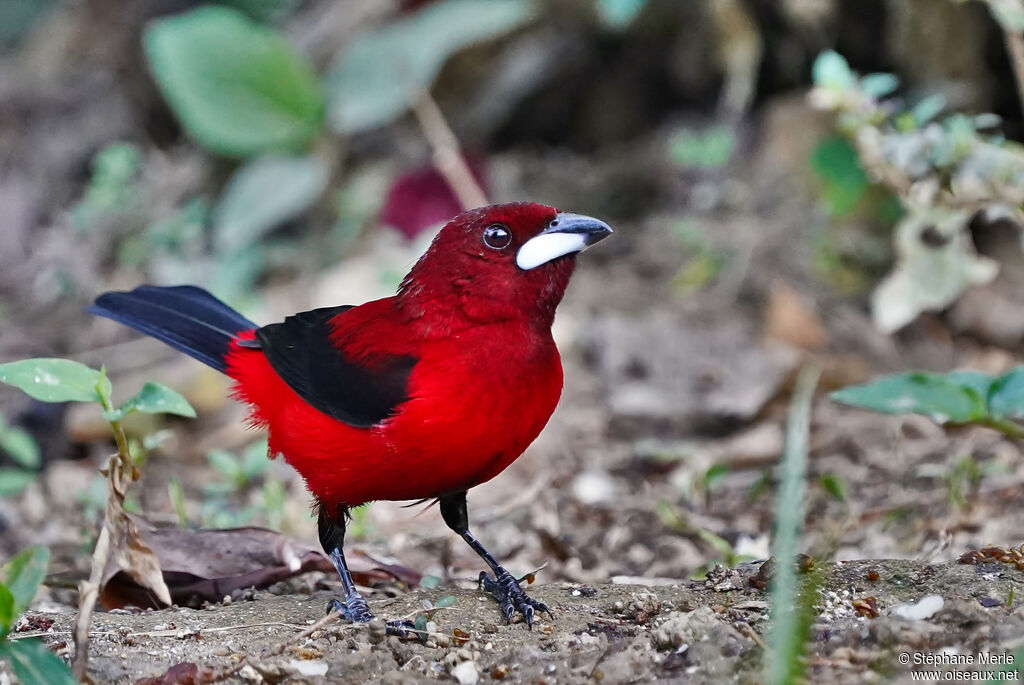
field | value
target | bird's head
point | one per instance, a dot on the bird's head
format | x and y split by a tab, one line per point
502	261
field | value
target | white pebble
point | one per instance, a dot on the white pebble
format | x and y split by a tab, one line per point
308	667
925	608
466	673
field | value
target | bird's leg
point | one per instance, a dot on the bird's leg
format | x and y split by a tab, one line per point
354	608
503	586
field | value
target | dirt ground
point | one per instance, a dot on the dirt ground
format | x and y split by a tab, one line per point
695	632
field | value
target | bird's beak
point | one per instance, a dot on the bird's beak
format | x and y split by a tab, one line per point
566	234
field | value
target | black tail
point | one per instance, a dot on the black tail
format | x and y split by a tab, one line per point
183	316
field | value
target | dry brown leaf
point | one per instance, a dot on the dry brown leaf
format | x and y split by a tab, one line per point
206	565
790	319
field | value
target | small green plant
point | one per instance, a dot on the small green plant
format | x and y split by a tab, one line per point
955	398
63	380
834	485
942	170
22	448
704	262
962	479
709	149
30	660
724	553
112	187
240	476
238	473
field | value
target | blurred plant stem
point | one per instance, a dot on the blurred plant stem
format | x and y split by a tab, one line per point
788	635
446	152
1015	46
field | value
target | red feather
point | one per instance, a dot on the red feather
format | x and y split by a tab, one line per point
487	380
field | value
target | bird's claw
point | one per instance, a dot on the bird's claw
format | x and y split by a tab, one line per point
355	609
511	597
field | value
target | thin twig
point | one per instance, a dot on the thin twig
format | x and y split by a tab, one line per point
88	592
447	156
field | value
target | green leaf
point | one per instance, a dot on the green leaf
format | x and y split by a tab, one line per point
156	398
18	17
714	475
13	481
225	463
831	70
619	14
34	664
237	87
21	446
835	162
7	615
708	149
879	85
255	460
941	398
977	381
1009	14
264	11
928	108
446	601
23	574
381	72
54	380
262	194
1006	396
833	485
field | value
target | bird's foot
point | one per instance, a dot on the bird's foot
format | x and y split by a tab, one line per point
355	609
511	597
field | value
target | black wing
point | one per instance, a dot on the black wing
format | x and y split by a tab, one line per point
301	352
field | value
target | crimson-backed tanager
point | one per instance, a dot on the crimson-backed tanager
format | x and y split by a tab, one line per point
417	396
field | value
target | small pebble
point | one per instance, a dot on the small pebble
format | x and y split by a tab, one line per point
466	673
378	631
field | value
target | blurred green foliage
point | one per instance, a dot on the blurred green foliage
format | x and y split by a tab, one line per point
22	448
619	14
18	17
31	661
835	162
111	187
245	492
264	193
707	149
942	171
704	262
380	73
239	88
959	397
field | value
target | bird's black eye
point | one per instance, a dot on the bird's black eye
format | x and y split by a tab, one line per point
497	236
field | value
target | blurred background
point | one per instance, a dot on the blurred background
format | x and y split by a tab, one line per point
790	181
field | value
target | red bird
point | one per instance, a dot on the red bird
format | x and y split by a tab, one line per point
421	395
